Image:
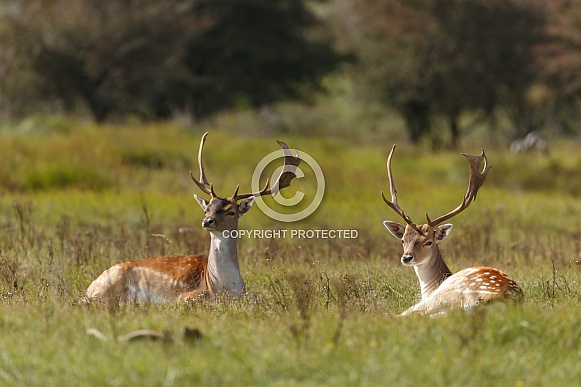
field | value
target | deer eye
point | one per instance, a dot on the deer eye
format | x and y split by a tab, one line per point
402	241
231	213
428	243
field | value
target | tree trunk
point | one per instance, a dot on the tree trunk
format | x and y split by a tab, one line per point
417	117
454	131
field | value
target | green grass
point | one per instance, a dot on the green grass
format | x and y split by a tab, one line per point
318	312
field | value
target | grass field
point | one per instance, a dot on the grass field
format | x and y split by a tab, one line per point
318	311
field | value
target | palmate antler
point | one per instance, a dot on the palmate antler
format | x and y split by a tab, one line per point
476	180
474	183
284	180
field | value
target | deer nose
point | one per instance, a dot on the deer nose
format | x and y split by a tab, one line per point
407	258
208	222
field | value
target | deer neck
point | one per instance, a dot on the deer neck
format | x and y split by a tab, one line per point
432	273
223	267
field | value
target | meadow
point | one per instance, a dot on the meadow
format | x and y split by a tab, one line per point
74	201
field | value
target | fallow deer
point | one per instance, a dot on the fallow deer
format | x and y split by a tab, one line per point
188	277
440	288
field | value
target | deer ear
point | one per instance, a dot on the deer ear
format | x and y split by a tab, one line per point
394	228
245	205
202	202
443	231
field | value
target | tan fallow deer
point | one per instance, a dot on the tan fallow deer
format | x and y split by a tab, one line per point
440	288
187	277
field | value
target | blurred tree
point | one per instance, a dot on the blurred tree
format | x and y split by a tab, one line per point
255	52
560	60
15	63
434	59
492	59
150	57
109	54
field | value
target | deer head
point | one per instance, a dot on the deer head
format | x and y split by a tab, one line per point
223	213
420	242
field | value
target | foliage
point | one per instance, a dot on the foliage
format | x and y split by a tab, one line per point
254	53
110	55
435	59
150	58
559	59
449	68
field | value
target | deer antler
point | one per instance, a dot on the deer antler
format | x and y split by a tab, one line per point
476	180
393	204
203	182
284	180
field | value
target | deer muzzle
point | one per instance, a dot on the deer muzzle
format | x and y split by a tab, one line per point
407	258
209	223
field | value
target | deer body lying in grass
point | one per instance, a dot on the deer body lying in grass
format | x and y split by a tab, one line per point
440	288
188	277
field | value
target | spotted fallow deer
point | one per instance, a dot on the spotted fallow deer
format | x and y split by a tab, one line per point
440	288
187	277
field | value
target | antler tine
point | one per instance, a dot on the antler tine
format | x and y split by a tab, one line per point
236	190
394	204
203	182
284	179
474	183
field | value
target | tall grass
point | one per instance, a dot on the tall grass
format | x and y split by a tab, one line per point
318	311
